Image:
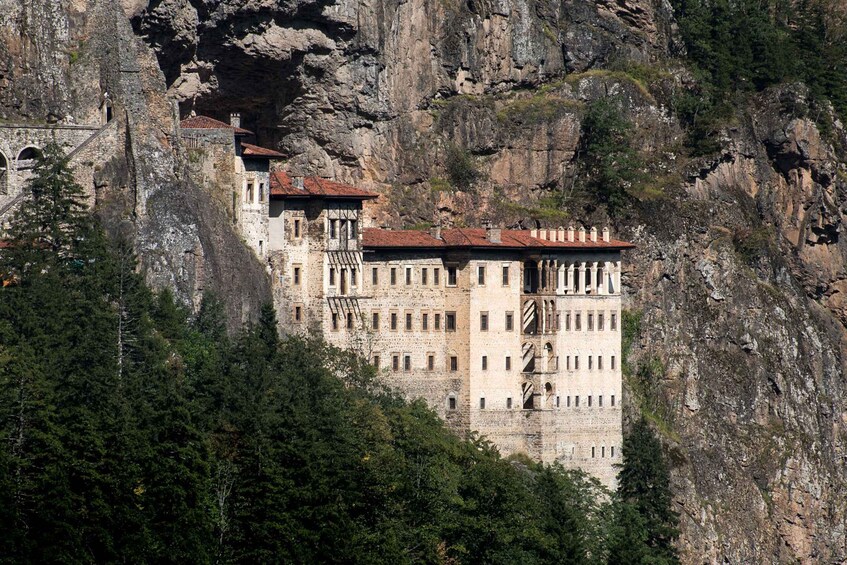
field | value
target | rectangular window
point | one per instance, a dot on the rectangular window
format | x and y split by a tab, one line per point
600	322
424	276
349	320
374	276
298	313
603	451
485	362
430	362
296	229
589	401
438	322
508	363
407	362
509	403
425	321
590	322
395	362
568	322
576	401
600	401
376	361
592	451
614	322
408	321
482	403
510	321
436	276
451	321
558	401
451	276
261	192
483	321
599	362
577	322
334	321
568	362
393	276
375	321
354	233
613	400
505	275
333	229
394	320
454	363
249	195
613	362
408	276
353	277
452	403
568	401
576	362
332	276
612	454
590	362
480	275
296	276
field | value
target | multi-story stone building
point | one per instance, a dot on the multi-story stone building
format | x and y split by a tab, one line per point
515	334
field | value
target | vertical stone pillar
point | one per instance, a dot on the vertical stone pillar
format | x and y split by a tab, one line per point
571	274
580	282
594	277
540	277
617	277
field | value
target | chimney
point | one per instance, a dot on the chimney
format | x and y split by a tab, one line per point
582	234
542	234
297	182
594	234
533	232
570	233
606	234
553	235
561	234
235	120
493	234
435	232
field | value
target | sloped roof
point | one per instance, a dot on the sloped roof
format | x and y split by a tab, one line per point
375	238
250	150
205	122
282	186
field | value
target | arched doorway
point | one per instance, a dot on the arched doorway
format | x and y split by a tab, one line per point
27	157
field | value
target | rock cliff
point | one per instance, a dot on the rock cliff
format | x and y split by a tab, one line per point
740	270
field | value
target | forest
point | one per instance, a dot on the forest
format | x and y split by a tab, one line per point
131	431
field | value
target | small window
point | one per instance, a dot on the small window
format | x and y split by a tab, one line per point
261	247
334	321
296	276
508	363
298	313
485	362
510	321
454	363
558	321
353	276
558	403
602	451
505	275
436	276
600	401
376	361
568	401
589	401
576	401
430	362
437	322
261	192
590	362
613	363
509	403
576	362
332	276
249	194
592	451
568	362
408	321
451	321
451	403
424	276
374	276
375	321
394	320
612	452
483	321
407	362
614	322
613	400
395	363
354	233
600	322
568	322
349	320
408	276
577	322
425	321
590	322
451	276
599	362
393	276
296	229
482	403
333	229
480	275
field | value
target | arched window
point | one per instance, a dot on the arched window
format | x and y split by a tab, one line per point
4	174
26	158
548	357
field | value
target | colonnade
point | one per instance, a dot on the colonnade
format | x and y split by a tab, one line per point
568	277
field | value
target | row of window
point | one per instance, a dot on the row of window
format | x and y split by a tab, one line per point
250	193
485	319
453	362
451	402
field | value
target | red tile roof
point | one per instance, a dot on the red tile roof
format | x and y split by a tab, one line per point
250	150
475	237
315	187
205	122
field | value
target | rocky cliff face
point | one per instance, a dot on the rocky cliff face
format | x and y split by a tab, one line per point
739	274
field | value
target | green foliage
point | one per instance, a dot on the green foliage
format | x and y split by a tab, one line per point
631	326
537	109
461	167
753	243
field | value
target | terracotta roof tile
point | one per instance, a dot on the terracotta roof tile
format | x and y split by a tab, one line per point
315	187
205	122
375	238
250	150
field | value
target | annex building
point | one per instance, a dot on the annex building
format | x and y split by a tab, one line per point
515	334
